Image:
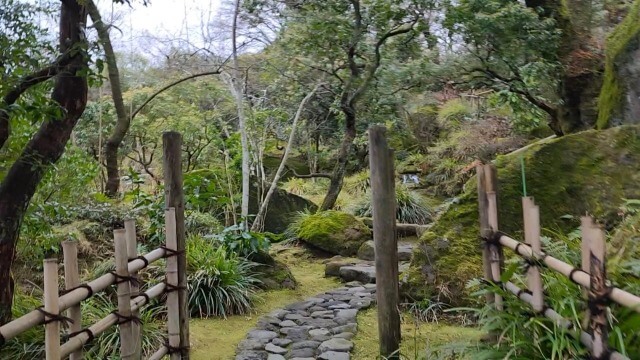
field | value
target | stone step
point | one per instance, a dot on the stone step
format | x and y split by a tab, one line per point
367	251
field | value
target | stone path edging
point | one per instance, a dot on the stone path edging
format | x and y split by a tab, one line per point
320	327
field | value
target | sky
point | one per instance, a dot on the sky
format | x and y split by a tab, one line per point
161	18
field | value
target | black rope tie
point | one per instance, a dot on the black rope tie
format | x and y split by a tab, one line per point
50	317
126	319
174	349
140	257
144	295
81	286
523	291
171	288
124	278
170	252
87	331
597	304
572	272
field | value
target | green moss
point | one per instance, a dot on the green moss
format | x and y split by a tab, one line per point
454	112
589	172
332	231
611	94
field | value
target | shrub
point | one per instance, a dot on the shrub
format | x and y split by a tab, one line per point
411	207
358	183
220	283
454	112
198	223
236	240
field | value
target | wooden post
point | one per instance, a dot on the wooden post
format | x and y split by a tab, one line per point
52	329
124	295
386	248
132	252
531	214
598	291
174	198
71	280
485	229
586	222
496	257
173	318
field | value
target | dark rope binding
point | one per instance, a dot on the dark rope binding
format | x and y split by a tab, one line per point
89	333
172	288
50	317
81	286
123	278
144	295
140	257
126	319
170	252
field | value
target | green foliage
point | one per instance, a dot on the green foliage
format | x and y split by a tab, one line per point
623	37
197	223
411	207
454	112
237	240
358	183
220	283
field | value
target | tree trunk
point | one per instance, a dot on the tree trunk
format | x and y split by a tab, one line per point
123	121
337	176
44	148
242	121
259	221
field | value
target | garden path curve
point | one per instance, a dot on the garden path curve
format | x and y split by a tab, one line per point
320	327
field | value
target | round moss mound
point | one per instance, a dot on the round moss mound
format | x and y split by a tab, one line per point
589	172
332	231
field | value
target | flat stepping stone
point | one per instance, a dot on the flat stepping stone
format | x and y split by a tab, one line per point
275	357
275	349
252	355
336	344
362	273
334	355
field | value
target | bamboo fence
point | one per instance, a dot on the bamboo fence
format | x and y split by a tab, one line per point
591	275
130	300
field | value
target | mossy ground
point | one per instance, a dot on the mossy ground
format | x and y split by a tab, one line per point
217	338
419	339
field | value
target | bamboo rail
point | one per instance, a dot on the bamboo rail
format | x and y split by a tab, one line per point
591	276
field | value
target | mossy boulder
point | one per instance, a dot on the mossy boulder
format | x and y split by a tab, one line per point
589	172
333	231
619	101
282	209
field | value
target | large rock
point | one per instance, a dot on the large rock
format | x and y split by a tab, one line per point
363	273
589	172
283	208
619	101
367	251
333	231
275	275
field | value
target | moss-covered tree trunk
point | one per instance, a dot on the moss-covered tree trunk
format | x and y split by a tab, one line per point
619	100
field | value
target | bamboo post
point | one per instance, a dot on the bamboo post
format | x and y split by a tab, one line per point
386	248
52	329
174	198
71	280
495	250
173	319
598	290
531	214
124	295
132	253
485	229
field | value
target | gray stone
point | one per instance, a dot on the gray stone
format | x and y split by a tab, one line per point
404	252
344	335
334	355
326	314
288	323
303	358
293	317
369	286
362	303
263	335
280	314
347	314
281	342
251	344
302	305
321	338
366	251
316	308
318	323
303	353
296	333
336	344
275	349
319	332
351	284
362	273
352	328
275	357
252	355
305	344
341	305
356	289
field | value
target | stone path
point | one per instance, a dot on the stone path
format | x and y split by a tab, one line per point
316	328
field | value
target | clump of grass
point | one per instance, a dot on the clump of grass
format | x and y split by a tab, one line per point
358	183
411	207
220	283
